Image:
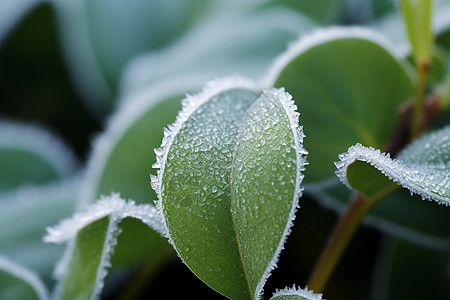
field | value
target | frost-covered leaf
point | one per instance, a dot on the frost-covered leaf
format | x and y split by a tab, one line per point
17	282
295	293
31	155
229	182
120	160
349	85
24	215
92	236
417	16
423	168
247	45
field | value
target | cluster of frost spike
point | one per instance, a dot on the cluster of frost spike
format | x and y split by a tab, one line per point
293	115
294	291
112	206
428	183
189	105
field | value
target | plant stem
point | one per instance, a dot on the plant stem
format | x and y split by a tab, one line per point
422	68
343	232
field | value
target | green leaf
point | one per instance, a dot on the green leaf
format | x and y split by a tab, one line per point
229	182
24	215
349	86
31	155
120	160
93	235
417	16
17	282
424	171
423	168
295	294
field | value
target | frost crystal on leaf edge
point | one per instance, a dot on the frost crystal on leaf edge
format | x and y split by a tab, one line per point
291	111
114	207
429	185
297	291
189	105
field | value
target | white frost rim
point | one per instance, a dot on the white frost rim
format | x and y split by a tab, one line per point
41	142
26	275
297	291
189	105
323	35
291	111
113	206
429	185
132	110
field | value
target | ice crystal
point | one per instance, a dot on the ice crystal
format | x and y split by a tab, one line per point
213	132
301	294
423	167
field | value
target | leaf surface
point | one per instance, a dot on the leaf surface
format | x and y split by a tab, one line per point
31	155
423	168
229	182
417	17
349	85
92	236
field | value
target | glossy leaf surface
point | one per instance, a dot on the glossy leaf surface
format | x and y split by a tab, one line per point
349	85
229	182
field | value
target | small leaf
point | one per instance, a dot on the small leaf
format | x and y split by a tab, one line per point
93	235
229	183
31	155
423	168
296	294
349	84
417	16
17	282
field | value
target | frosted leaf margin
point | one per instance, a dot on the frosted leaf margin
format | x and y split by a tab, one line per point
114	207
429	180
297	291
189	106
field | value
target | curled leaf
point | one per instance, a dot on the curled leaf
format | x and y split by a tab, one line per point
422	168
295	293
229	181
93	235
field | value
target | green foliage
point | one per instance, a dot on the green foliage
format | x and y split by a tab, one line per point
230	167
